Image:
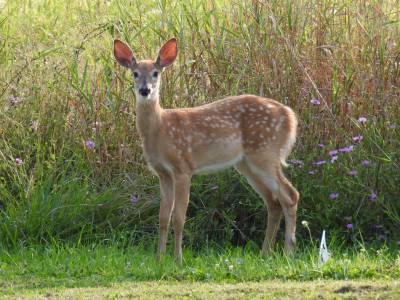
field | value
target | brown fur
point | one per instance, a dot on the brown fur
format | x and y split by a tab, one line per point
253	134
190	134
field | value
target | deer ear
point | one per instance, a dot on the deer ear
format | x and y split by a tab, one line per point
167	54
123	54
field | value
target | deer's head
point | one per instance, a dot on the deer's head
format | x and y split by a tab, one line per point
146	73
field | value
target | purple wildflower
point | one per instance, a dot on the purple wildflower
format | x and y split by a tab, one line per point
89	144
333	153
366	163
312	172
334	158
319	163
352	173
349	226
392	126
14	101
321	146
362	120
373	196
333	196
346	149
134	199
240	261
358	138
19	161
122	109
382	237
315	102
296	162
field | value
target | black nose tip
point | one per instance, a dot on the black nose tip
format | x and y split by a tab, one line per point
144	92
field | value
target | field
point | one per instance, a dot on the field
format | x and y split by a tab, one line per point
118	271
249	290
72	173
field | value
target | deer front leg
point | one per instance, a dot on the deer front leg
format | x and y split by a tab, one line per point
166	205
182	191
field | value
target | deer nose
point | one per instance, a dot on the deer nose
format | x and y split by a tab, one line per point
145	91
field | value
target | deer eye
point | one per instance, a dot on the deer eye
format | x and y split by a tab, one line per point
135	74
155	74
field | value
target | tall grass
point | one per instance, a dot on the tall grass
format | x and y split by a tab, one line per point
70	157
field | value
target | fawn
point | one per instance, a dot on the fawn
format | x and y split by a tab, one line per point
253	134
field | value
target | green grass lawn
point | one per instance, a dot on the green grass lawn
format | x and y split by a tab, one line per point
120	271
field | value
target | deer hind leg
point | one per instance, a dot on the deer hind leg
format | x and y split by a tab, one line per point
166	206
270	172
182	191
289	210
273	206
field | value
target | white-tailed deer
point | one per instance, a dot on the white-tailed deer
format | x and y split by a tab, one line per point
253	134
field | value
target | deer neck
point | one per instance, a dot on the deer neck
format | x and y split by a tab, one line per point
148	119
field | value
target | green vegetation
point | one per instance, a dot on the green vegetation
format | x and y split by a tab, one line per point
70	158
103	265
78	206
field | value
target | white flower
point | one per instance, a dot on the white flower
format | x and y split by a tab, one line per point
304	223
